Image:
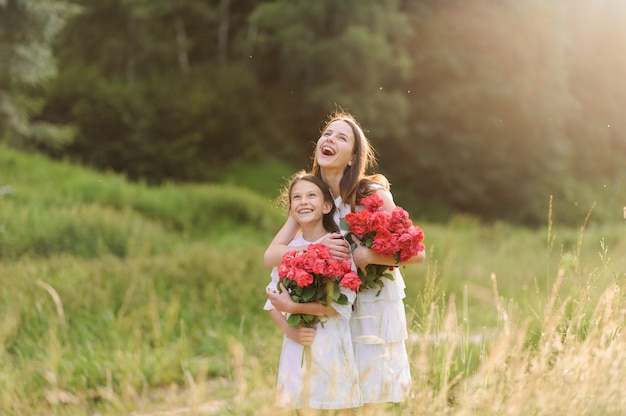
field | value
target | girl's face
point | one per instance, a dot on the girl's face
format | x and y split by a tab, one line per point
306	203
335	148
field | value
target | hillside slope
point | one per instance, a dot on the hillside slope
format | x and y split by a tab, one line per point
51	207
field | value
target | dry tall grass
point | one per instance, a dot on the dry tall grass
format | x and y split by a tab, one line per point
577	366
568	358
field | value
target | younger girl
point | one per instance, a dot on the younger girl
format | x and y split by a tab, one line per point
330	379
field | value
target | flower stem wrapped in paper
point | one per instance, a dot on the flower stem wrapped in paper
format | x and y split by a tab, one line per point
313	275
390	234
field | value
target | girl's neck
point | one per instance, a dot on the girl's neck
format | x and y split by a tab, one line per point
333	179
313	232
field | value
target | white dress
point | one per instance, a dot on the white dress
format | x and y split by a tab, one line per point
379	332
331	380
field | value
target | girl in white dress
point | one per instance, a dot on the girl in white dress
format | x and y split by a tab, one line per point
378	324
327	378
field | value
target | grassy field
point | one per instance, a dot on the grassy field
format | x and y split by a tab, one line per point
126	299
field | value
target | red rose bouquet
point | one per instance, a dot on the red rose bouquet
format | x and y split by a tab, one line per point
313	275
391	234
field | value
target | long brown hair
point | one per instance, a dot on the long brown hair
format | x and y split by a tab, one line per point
355	183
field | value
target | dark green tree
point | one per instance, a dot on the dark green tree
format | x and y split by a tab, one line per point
157	98
313	57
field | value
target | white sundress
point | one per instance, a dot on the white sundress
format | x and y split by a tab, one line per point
379	332
331	380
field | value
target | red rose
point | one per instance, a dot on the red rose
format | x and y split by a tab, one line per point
372	203
318	266
379	220
303	278
358	222
351	281
384	243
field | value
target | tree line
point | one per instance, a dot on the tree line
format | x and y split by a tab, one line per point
475	106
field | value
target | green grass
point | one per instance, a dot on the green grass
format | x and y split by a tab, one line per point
118	297
110	285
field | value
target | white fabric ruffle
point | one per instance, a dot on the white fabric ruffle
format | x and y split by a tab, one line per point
384	373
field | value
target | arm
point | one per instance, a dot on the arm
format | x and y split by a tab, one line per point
363	256
283	302
302	335
337	246
279	245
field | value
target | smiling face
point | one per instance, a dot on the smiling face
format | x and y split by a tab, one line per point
335	147
342	156
306	204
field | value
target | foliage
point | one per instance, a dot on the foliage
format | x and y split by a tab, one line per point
328	55
188	119
187	209
475	107
262	177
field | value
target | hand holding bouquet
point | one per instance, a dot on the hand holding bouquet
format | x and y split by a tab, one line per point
313	275
391	234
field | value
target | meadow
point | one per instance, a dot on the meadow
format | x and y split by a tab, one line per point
120	298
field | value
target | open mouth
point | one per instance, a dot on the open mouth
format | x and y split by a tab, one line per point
328	151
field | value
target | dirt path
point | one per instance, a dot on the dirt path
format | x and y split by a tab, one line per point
177	400
207	408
